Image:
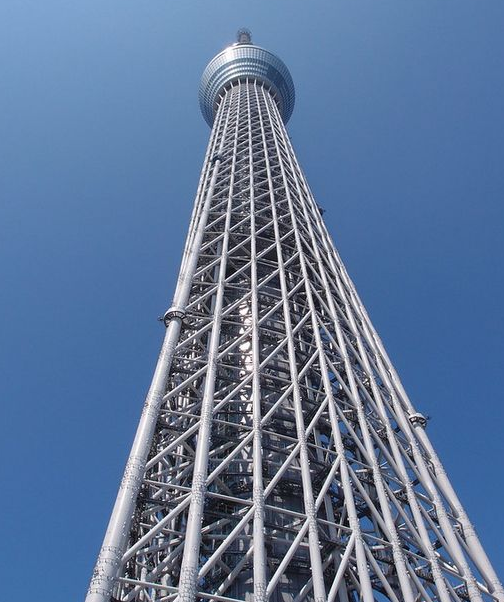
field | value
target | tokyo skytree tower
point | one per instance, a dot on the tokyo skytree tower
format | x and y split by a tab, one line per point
278	456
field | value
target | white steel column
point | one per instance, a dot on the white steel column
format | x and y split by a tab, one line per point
109	559
259	551
317	571
190	561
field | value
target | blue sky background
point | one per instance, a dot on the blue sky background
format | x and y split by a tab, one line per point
399	127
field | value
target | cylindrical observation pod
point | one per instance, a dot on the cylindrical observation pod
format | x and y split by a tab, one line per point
239	62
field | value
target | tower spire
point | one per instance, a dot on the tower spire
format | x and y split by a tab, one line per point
244	36
278	457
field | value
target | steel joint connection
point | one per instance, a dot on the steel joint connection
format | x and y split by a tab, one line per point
418	419
174	312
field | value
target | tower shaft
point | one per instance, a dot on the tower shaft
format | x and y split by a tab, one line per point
278	456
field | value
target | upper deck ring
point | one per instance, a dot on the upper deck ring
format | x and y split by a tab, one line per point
239	62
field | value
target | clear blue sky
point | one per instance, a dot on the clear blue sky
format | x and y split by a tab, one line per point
399	128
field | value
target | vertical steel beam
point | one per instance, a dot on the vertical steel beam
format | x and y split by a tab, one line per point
116	536
190	561
316	560
258	527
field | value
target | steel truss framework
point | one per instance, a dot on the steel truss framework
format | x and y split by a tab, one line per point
278	457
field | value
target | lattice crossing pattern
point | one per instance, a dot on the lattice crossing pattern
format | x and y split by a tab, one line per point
278	456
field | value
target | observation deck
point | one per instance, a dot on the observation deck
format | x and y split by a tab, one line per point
238	62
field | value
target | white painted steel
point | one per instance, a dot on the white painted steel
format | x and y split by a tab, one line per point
278	456
105	571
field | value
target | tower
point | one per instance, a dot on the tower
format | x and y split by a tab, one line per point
278	456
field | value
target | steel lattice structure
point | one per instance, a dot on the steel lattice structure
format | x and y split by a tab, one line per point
278	456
